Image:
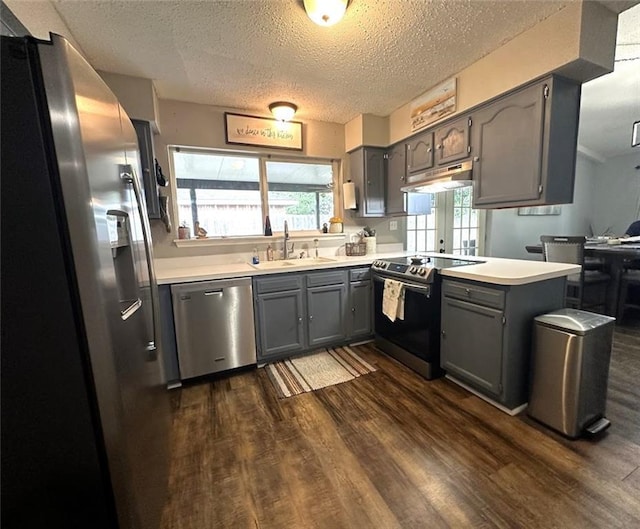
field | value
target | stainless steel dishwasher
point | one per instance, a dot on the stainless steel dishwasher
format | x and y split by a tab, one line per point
214	326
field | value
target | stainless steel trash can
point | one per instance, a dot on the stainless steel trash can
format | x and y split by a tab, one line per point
570	371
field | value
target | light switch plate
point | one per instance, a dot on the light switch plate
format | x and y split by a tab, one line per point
393	225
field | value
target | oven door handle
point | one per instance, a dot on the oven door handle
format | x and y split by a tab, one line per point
408	286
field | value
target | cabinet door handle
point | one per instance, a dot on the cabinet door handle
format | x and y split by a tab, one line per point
439	146
443	334
467	291
402	178
353	309
476	158
368	182
310	318
300	319
429	149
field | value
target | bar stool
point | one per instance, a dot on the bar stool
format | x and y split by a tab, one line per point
586	290
631	277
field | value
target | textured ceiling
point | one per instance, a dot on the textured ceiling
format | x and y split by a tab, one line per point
611	103
245	54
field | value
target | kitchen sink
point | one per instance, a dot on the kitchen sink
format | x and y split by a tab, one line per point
271	265
268	265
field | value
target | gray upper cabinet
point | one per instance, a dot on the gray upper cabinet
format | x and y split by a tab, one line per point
453	141
147	162
420	153
396	178
525	146
368	169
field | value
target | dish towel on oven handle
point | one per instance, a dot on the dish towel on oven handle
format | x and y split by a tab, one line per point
393	300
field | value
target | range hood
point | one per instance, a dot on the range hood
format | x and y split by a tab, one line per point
444	179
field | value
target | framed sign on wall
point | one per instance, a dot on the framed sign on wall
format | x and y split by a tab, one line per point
241	129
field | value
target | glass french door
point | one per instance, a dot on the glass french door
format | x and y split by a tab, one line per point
453	226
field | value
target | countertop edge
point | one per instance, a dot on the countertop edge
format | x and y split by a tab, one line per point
494	270
509	281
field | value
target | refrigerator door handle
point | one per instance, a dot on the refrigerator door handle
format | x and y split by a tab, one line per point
127	175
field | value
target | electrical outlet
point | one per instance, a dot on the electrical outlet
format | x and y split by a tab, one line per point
393	225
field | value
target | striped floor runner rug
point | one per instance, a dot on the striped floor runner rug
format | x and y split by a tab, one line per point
317	370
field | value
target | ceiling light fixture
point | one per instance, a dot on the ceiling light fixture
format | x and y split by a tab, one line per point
325	12
282	110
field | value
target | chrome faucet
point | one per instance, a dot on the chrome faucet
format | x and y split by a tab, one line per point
285	253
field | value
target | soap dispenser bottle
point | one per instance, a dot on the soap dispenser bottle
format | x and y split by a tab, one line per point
269	253
255	259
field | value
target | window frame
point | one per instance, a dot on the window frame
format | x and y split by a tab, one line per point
444	205
263	185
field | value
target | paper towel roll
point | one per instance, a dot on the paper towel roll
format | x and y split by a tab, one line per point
349	195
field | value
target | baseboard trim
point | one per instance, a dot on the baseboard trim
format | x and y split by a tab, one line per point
512	412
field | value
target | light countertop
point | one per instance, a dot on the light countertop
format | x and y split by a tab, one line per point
489	270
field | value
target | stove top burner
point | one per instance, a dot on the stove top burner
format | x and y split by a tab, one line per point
419	267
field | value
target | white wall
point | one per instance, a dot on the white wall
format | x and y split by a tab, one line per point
577	42
508	233
194	125
617	194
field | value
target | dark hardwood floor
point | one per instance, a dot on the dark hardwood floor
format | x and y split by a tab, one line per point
392	450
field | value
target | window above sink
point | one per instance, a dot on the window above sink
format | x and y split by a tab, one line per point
230	194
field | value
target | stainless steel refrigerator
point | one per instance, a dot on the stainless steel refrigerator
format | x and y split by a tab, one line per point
85	411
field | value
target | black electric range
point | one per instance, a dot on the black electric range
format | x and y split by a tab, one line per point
413	338
418	268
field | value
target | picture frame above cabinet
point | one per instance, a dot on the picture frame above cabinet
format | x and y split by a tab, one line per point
147	163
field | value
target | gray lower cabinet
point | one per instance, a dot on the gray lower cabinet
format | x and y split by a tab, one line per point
296	312
525	146
475	354
360	308
282	326
326	308
360	303
486	334
368	171
280	315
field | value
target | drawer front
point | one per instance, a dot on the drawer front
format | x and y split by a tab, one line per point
335	277
489	297
359	274
281	283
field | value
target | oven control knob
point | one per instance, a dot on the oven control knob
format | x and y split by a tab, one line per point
422	272
413	270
